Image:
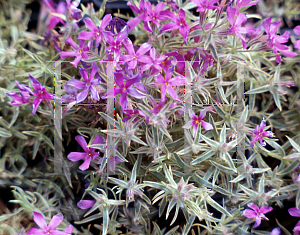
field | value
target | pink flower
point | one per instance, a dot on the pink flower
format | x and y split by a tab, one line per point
275	41
40	93
72	9
60	9
245	3
256	213
96	32
297	31
133	57
89	153
204	5
155	62
46	230
130	113
259	133
69	229
167	83
158	14
196	120
115	44
85	204
80	51
275	231
25	92
179	23
294	211
236	24
144	11
124	89
88	84
297	228
72	94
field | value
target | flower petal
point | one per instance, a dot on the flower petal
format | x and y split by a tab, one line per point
169	27
76	83
70	41
36	103
86	164
85	35
265	209
294	212
254	207
55	221
144	48
85	204
249	213
257	222
135	93
90	24
35	83
207	126
82	142
39	220
36	231
76	156
64	54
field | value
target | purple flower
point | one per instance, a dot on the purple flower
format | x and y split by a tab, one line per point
115	23
297	31
204	5
196	120
69	229
179	23
172	4
130	113
143	12
80	51
115	45
158	14
72	9
89	153
85	204
72	94
60	9
157	106
259	133
155	63
46	230
236	24
294	211
256	213
96	32
40	93
25	92
275	231
167	83
276	41
133	57
88	84
124	89
245	3
206	62
297	228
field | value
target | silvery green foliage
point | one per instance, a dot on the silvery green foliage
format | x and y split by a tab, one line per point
168	171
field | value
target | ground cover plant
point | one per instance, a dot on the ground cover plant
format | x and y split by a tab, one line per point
171	117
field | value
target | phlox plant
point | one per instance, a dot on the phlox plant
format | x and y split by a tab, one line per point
180	117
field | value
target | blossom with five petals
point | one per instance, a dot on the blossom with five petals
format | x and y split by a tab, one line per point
259	133
256	213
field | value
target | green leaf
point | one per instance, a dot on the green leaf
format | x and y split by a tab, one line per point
260	89
249	192
217	206
5	133
109	120
277	99
294	144
210	142
203	157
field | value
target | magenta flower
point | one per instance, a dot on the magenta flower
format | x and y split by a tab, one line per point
72	9
167	83
297	31
276	41
155	63
89	153
297	228
69	229
294	211
133	57
143	12
236	24
204	5
130	113
158	14
179	23
275	231
259	133
124	89
96	32
85	204
25	92
46	230
72	94
115	45
157	106
206	62
196	120
60	9
40	93
80	51
256	213
245	3
88	84
115	23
